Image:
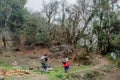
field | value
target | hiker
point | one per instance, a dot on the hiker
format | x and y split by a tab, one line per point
65	63
44	60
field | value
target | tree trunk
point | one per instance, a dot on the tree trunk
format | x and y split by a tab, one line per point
99	46
4	42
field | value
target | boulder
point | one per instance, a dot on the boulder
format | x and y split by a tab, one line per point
2	78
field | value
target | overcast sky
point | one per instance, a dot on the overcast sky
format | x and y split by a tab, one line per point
36	5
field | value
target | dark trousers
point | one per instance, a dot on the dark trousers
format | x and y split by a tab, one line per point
66	68
44	66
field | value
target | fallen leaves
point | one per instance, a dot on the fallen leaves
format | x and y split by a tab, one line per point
12	72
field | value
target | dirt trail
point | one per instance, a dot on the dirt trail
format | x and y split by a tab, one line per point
101	62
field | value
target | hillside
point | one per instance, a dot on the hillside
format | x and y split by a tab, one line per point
99	69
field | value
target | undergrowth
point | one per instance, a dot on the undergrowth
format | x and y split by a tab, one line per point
55	74
115	62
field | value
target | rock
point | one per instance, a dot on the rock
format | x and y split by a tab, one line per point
27	72
82	75
31	68
49	69
2	78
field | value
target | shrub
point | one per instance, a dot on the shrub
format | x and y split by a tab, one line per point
41	38
117	63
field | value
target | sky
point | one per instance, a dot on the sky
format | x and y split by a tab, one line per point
36	5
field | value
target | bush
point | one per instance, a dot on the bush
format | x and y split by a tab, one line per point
94	75
117	63
41	38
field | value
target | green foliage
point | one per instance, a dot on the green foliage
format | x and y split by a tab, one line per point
11	13
60	76
102	36
116	40
117	63
11	18
58	73
106	26
95	25
41	38
93	75
1	62
7	68
34	28
109	57
36	72
15	77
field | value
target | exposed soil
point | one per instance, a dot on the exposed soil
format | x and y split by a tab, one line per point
31	59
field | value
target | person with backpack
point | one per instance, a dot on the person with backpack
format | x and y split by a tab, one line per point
44	60
65	63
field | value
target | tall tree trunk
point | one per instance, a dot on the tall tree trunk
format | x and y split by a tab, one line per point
68	35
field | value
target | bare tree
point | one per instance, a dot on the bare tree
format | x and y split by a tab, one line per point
50	11
81	14
63	5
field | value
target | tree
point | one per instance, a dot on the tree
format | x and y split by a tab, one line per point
35	29
80	15
10	13
63	13
50	11
106	16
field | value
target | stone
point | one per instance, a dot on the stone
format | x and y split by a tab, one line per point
2	78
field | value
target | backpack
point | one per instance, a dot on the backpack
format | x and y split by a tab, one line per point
46	59
43	61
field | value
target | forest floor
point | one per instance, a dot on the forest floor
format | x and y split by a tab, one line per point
101	68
